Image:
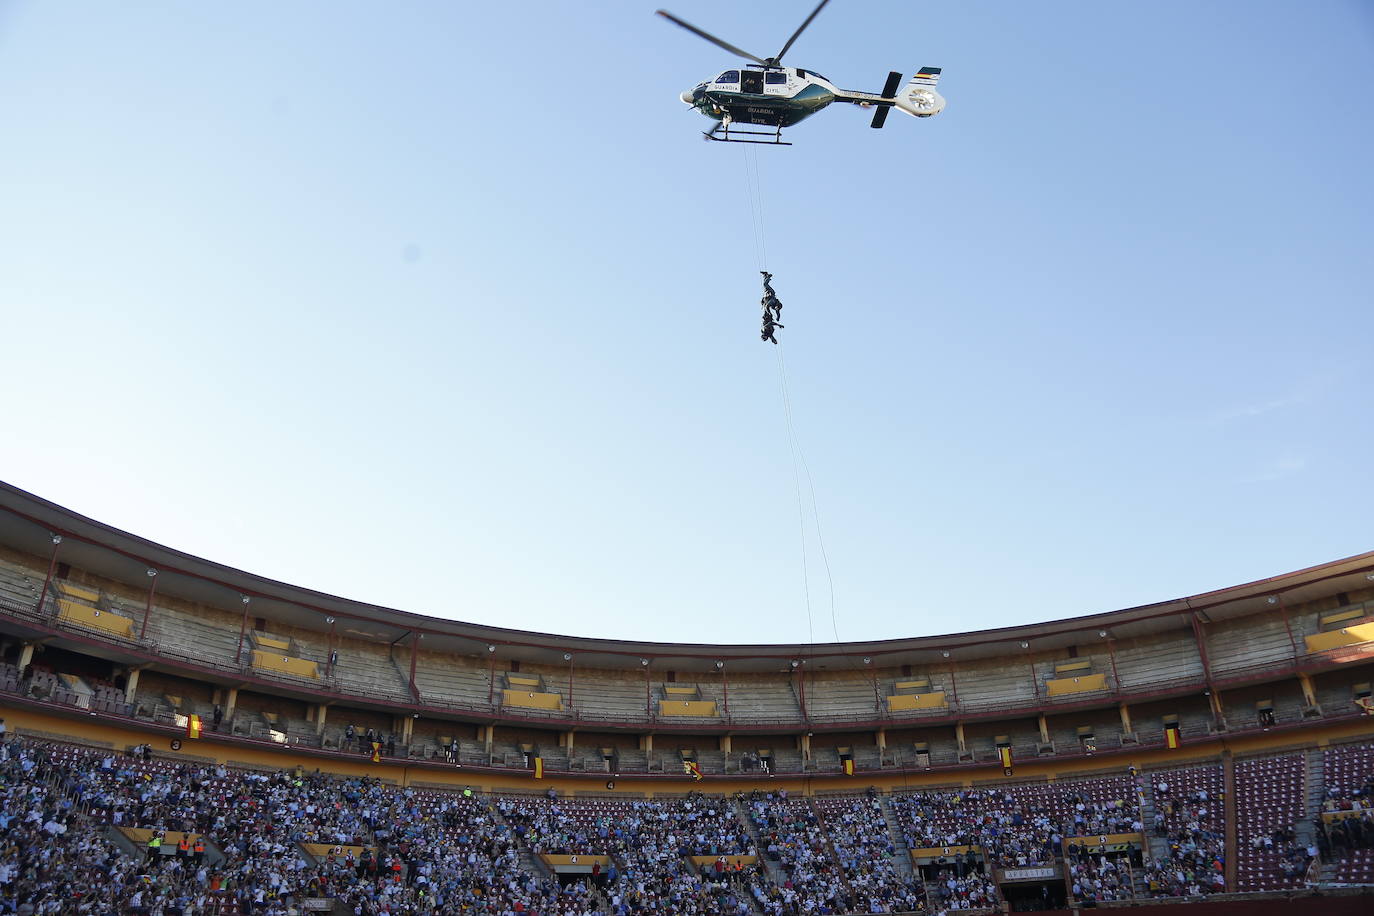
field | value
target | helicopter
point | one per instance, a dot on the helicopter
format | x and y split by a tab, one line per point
765	93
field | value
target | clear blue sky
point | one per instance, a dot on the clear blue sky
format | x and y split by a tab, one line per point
446	306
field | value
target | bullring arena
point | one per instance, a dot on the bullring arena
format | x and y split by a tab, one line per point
182	737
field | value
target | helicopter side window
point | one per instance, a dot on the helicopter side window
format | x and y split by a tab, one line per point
775	78
729	76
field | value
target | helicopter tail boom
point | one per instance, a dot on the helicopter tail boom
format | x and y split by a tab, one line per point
918	97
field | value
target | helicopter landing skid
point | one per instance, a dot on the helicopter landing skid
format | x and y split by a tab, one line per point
726	137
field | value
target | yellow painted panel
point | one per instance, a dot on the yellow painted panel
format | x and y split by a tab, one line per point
1108	839
934	852
95	618
1353	613
271	642
286	664
321	850
1346	636
708	861
1080	664
552	860
520	680
686	707
76	591
679	691
529	699
903	701
1333	816
1062	686
912	685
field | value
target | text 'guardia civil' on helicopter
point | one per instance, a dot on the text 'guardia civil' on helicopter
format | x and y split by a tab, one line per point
775	96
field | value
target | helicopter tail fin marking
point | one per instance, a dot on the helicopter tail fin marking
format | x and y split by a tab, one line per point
894	79
918	97
926	76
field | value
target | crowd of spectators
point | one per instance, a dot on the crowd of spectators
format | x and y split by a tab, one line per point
1347	839
52	861
382	849
650	841
1019	825
1098	877
858	832
1189	814
970	891
792	836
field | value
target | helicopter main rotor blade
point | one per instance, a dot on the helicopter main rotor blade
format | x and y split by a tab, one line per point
716	41
797	33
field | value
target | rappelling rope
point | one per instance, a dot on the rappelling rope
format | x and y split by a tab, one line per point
751	178
792	448
752	152
754	181
799	454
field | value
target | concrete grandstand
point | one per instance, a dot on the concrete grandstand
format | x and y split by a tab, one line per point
1214	749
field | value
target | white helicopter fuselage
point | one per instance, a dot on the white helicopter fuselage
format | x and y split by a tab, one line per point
783	96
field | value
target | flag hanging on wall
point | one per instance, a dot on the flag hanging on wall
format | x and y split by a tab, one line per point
849	766
1171	736
691	769
539	768
1005	754
193	726
376	752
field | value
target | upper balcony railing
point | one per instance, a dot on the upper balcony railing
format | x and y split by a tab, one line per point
329	685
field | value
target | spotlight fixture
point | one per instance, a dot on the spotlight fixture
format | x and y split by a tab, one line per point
245	599
945	653
720	664
1102	633
795	663
491	648
57	539
329	620
567	656
644	663
1025	645
867	660
1272	600
151	572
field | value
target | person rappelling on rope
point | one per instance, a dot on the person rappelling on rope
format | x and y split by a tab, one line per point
771	302
768	325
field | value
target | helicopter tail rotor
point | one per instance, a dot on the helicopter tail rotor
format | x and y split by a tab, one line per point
918	97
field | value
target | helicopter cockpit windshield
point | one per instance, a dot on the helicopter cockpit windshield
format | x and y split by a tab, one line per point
729	76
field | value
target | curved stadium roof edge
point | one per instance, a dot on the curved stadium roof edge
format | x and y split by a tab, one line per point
28	520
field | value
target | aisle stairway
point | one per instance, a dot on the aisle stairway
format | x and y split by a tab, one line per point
1306	828
902	860
771	868
1158	846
